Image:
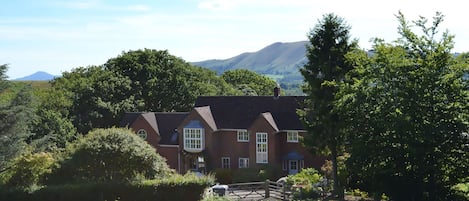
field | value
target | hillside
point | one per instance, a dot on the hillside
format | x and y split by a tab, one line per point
275	59
37	76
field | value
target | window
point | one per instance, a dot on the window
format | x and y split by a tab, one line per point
243	163
142	133
193	139
261	148
292	136
225	162
243	136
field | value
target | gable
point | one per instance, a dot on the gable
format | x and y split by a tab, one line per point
239	112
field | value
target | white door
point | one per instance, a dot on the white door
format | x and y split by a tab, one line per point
292	166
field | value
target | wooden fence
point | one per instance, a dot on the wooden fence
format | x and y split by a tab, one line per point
258	191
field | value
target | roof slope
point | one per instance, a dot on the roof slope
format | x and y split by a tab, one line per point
238	112
167	124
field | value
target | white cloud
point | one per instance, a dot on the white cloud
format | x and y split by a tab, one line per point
218	5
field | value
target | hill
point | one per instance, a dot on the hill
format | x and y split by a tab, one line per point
275	59
37	76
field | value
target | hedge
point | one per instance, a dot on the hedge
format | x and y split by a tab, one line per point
179	187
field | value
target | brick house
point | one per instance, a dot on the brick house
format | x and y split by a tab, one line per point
229	132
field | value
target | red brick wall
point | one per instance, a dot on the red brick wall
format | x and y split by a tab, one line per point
261	125
152	137
225	144
171	155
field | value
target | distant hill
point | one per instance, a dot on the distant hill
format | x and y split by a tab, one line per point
275	59
37	76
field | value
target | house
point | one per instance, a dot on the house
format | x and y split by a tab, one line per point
229	132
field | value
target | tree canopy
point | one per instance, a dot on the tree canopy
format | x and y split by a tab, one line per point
326	68
249	82
407	115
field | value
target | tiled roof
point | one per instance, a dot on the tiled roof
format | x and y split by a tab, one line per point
167	124
151	120
129	118
239	112
269	118
163	123
206	113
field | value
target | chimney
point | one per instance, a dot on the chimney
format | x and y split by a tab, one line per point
276	91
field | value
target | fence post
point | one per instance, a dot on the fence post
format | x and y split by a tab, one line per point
284	192
267	190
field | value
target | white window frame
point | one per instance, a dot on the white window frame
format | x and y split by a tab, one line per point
243	163
292	136
142	133
193	139
243	136
262	148
225	162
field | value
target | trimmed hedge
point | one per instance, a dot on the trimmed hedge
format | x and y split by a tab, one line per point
187	187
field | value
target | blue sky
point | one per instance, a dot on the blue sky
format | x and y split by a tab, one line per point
58	35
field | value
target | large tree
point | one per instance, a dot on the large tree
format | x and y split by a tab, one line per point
407	115
249	82
326	68
163	82
15	121
98	97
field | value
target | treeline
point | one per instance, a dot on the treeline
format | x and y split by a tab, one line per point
395	124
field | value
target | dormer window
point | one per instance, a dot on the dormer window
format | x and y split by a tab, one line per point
193	139
292	136
142	133
243	136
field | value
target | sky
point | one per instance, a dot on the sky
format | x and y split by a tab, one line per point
56	36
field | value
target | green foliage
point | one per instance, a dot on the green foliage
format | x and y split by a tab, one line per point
15	125
27	170
407	114
163	82
223	176
98	97
177	187
461	189
109	155
304	183
324	71
249	82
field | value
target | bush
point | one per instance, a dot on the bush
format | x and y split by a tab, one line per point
224	176
305	183
109	155
177	187
27	170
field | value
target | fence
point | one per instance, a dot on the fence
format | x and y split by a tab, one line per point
258	191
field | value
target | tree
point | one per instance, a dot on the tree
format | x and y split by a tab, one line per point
249	82
109	155
407	115
163	82
53	127
15	122
99	97
325	69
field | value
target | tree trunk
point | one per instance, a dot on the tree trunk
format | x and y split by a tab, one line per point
337	190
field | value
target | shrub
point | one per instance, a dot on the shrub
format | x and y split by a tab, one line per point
305	183
178	187
27	170
109	155
224	176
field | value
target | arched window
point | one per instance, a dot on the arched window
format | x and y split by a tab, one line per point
142	133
